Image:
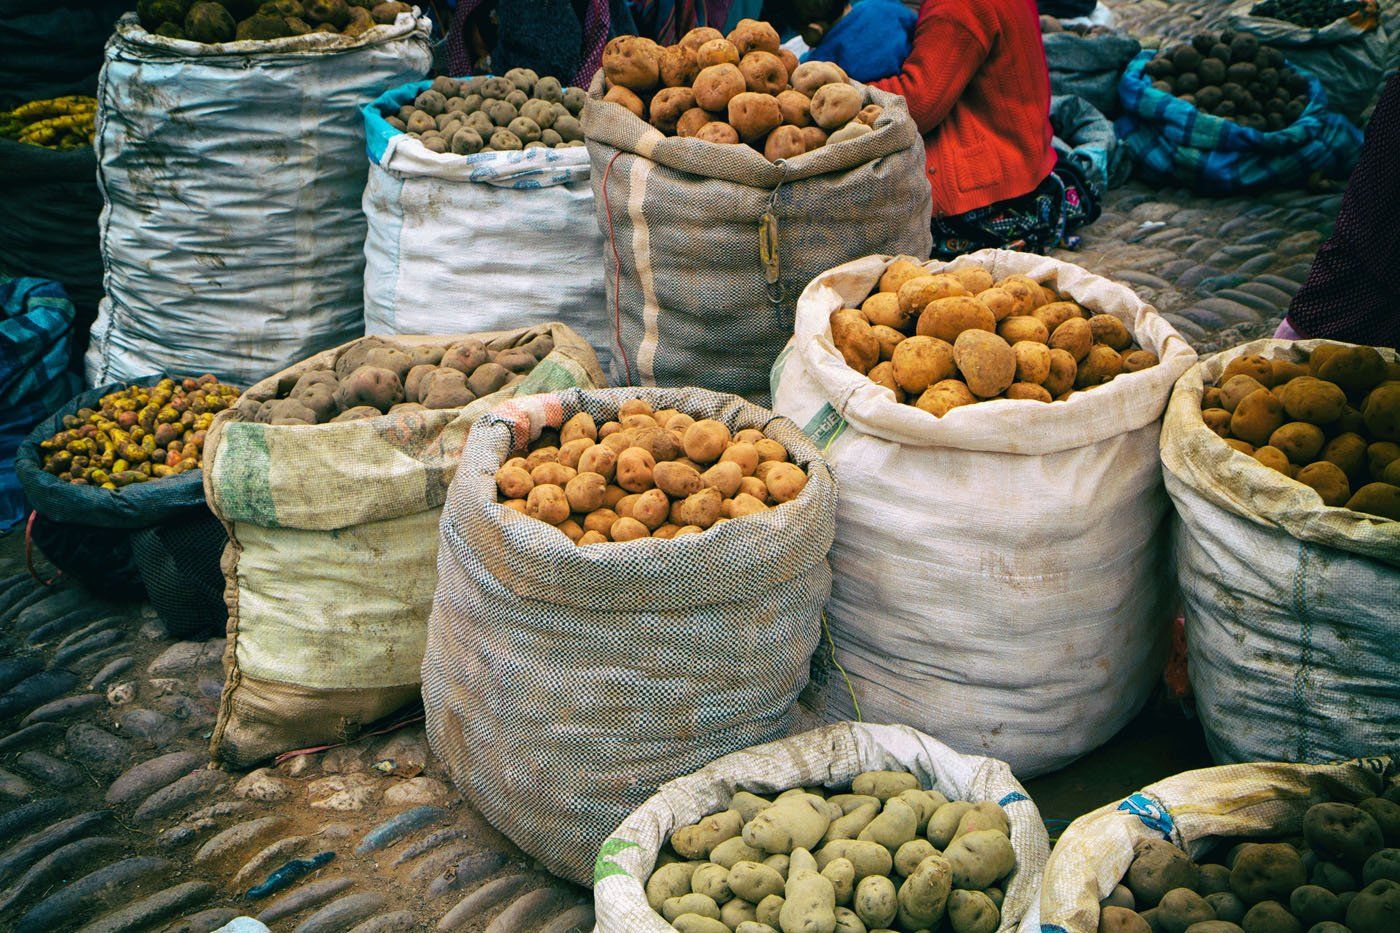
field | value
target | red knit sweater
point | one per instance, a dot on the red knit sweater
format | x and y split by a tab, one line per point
979	90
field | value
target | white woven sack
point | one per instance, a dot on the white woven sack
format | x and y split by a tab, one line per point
564	684
232	236
830	756
483	242
1001	573
709	245
1193	811
1291	605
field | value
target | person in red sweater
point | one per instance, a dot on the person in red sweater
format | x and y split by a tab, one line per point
978	87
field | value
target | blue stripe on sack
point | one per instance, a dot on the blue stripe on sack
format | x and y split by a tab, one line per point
825	427
1152	814
1052	928
378	132
1014	797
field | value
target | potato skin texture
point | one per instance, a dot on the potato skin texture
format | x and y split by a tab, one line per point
986	362
1257	417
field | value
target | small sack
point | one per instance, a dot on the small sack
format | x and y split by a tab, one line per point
1290	604
564	684
1089	66
830	756
1194	811
1172	142
481	242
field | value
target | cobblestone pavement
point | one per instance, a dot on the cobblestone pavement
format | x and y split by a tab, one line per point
110	819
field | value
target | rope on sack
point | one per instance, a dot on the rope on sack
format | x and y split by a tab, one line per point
768	247
29	553
392	727
617	272
850	688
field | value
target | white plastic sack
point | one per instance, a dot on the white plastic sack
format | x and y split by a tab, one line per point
1001	573
831	756
1291	605
482	242
1193	811
232	236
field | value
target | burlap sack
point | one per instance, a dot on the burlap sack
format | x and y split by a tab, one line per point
332	559
564	684
708	246
1192	811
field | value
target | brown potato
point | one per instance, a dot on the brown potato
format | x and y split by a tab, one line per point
769	450
1381	499
755	487
750	34
724	476
1110	331
1028	390
1312	400
623	506
921	361
580	425
548	504
785	482
742	505
1258	415
552	473
572	529
808	77
676	479
659	442
1063	373
1218	420
888	338
900	270
882	308
571	451
628	529
705	441
1057	312
813	137
948	318
743	454
626	98
701	509
1027	297
883	374
599	459
986	362
1210	398
514	482
651	509
1101	365
1327	480
1299	441
754	116
1236	388
668	105
717	131
917	292
716	52
1001	302
1135	361
634	466
1348	452
1243	447
1073	336
1256	366
854	340
1285	370
592	537
1020	327
600	520
391	358
585	491
1275	459
1032	361
699	36
717	85
679	66
869	114
974	278
785	142
942	397
691	122
763	72
1382	412
835	105
545	454
632	62
1355	370
796	107
516	505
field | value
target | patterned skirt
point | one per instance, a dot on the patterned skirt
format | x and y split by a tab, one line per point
1035	223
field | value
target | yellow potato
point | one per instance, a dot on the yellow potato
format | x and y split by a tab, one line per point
920	361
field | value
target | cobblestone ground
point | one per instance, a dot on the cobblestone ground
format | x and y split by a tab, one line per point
110	819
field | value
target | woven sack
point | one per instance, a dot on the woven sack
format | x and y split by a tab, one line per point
1291	621
333	547
1089	66
708	246
564	684
830	756
248	156
1193	811
1002	575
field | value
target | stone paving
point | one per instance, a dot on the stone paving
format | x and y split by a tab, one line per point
111	819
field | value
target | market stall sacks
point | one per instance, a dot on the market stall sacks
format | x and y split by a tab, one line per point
707	244
882	764
1133	854
233	237
564	684
334	529
1001	569
484	241
1290	602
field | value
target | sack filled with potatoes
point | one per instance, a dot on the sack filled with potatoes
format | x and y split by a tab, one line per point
739	89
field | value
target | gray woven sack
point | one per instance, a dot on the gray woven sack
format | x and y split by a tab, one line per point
691	298
563	685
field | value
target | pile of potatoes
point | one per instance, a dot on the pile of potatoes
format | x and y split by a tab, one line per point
744	88
229	20
519	110
1342	875
376	377
942	341
649	474
1230	75
1331	422
888	856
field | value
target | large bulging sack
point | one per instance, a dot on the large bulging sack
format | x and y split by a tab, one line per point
333	533
1195	811
479	242
1290	604
564	684
1089	66
709	245
233	237
831	755
1002	573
